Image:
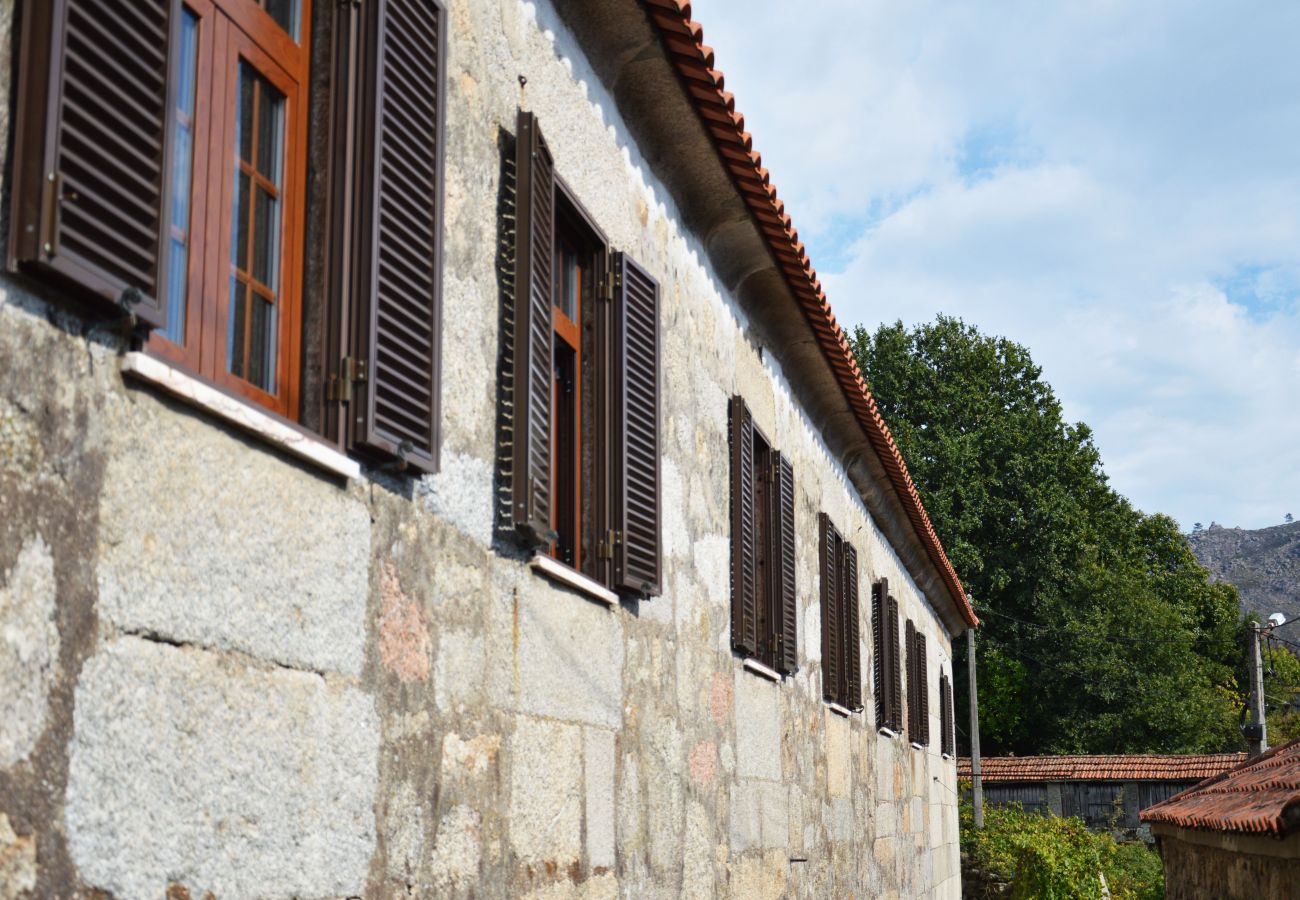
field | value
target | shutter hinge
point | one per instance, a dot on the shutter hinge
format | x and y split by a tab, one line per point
605	548
607	288
338	389
52	198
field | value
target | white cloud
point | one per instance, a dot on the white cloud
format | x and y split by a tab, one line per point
1112	184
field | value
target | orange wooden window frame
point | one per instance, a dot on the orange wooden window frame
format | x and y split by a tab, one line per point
231	31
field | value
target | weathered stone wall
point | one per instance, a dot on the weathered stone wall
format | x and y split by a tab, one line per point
224	669
1241	868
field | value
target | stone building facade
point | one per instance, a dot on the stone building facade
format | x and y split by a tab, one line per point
237	658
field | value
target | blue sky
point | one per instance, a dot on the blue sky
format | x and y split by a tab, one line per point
1115	185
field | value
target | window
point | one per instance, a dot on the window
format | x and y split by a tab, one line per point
160	175
841	638
947	736
235	218
584	385
886	668
918	689
764	615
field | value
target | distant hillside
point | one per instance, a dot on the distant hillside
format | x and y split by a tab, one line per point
1264	564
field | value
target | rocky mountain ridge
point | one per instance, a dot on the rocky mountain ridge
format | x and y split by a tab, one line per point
1264	564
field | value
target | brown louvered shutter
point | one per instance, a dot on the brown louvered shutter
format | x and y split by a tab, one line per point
879	660
92	144
786	614
829	559
909	642
532	363
922	692
744	605
852	636
945	723
635	428
397	241
951	747
895	669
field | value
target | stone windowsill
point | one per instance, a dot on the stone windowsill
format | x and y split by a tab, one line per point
888	733
947	756
916	746
239	413
572	578
763	671
839	710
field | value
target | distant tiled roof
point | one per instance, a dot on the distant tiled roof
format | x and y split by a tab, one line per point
1261	796
1101	768
683	41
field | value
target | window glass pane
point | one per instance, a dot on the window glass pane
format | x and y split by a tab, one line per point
255	254
182	180
568	279
235	334
285	13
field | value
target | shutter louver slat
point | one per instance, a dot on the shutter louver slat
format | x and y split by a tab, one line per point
398	236
744	605
91	148
830	591
879	661
636	428
787	613
852	634
533	337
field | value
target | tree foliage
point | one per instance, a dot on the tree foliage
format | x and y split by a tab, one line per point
1101	633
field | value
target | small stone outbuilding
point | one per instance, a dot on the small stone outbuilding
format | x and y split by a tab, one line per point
1235	836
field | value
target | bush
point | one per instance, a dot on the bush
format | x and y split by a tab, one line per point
1051	858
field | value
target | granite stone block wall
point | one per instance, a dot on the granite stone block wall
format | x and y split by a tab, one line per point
225	670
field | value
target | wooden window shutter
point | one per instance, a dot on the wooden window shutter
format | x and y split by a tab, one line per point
879	660
913	702
895	669
636	428
945	714
397	234
92	144
922	692
829	560
786	613
744	603
951	719
852	636
532	351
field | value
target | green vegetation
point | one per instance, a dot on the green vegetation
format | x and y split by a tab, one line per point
1281	693
1101	632
1050	858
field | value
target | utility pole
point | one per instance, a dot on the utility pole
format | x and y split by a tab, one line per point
977	790
1257	735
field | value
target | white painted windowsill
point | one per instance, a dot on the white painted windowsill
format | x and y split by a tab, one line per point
840	710
947	756
887	732
916	746
558	571
758	668
239	413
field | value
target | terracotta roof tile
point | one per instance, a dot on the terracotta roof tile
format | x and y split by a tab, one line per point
1100	768
1260	796
683	42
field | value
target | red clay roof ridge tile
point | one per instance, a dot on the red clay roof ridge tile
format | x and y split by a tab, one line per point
692	58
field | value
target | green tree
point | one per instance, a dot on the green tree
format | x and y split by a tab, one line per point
1101	631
